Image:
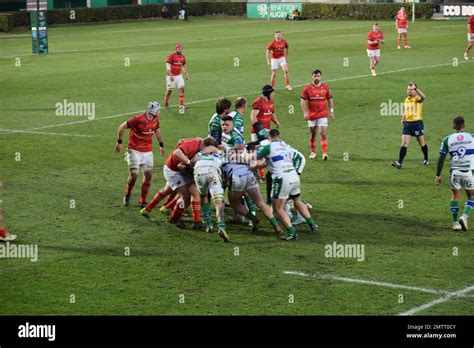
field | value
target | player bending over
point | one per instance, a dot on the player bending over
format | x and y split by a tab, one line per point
174	79
240	179
374	39
412	122
286	181
140	149
314	100
277	56
460	147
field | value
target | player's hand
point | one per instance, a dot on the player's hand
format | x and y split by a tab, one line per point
171	78
306	116
438	180
331	116
118	147
162	151
268	63
277	124
187	76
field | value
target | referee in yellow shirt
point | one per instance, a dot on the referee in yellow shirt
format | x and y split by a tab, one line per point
412	122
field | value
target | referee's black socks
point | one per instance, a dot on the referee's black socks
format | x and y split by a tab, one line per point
424	149
403	153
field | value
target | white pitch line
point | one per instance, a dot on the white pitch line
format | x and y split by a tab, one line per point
243	94
458	293
369	282
11	131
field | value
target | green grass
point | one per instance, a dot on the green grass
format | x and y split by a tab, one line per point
81	250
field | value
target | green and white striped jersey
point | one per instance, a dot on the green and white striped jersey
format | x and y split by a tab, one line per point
214	128
209	160
232	139
460	147
238	120
279	157
297	158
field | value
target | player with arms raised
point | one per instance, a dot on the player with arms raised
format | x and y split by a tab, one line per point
374	39
315	98
460	147
174	78
470	36
401	24
140	148
277	56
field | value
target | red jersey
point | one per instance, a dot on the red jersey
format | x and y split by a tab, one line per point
278	48
470	20
372	35
177	61
402	18
141	132
317	97
190	147
265	111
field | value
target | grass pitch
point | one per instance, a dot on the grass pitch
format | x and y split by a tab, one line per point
81	249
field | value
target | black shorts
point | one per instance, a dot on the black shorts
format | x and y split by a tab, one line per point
415	129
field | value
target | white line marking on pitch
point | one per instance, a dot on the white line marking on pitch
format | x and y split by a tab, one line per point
243	94
459	293
12	131
447	295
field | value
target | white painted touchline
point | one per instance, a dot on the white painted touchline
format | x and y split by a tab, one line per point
12	131
244	94
368	282
458	293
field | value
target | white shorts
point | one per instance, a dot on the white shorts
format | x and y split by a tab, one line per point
175	179
240	178
373	53
276	63
461	180
470	37
209	180
136	159
323	122
402	30
286	186
178	82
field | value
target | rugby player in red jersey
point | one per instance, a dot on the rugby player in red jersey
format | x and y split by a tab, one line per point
178	174
315	98
174	78
140	148
401	24
374	39
470	36
4	236
277	56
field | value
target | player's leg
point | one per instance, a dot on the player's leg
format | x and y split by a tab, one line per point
181	205
171	178
196	207
302	208
424	149
323	140
467	182
273	77
399	37
405	37
284	67
169	88
254	192
372	64
470	43
312	138
455	204
133	160
403	149
268	182
147	167
280	194
4	236
217	193
180	84
241	209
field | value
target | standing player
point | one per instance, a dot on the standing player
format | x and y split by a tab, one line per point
177	172
278	51
286	181
314	100
4	236
401	24
374	39
470	36
460	146
174	79
238	114
412	122
214	127
140	148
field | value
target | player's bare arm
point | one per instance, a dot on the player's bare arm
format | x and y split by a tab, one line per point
304	107
185	70
275	120
168	71
331	109
159	137
181	157
287	52
121	132
268	56
419	92
439	169
253	115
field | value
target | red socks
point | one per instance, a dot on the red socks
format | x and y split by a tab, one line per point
273	82
312	143
287	79
145	188
196	207
156	199
181	99
324	144
178	209
3	233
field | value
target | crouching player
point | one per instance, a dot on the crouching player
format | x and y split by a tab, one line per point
286	181
460	146
208	179
240	179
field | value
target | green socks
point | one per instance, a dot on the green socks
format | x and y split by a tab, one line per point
455	210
